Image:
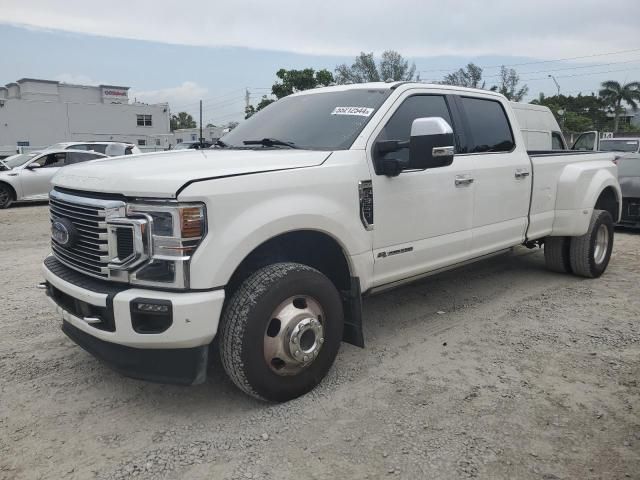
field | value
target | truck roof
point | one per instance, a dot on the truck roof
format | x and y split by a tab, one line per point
393	86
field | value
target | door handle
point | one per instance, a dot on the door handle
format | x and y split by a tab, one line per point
462	180
522	173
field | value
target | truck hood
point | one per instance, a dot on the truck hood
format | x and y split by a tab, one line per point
163	174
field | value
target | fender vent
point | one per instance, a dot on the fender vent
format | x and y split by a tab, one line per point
365	191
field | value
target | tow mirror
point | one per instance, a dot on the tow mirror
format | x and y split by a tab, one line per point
431	144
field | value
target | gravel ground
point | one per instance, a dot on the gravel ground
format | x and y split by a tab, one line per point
498	370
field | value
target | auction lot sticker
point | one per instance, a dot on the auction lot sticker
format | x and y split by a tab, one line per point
359	111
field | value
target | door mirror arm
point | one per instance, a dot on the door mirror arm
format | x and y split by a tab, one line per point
393	167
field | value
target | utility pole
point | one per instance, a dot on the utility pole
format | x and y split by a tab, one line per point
201	137
247	98
556	82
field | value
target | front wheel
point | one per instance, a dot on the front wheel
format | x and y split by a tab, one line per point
6	196
281	331
590	253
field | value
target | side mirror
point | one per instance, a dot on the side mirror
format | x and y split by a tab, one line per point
431	144
33	166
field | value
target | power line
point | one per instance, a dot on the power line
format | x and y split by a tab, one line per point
207	99
569	68
539	61
583	74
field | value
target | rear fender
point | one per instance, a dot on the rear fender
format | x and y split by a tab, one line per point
579	188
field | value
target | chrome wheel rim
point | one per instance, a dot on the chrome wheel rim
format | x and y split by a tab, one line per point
602	244
294	335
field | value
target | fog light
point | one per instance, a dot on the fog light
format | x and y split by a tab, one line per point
150	315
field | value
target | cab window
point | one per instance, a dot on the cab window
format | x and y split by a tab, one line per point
399	125
79	157
488	125
50	161
557	142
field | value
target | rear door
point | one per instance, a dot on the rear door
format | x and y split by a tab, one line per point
587	141
502	175
36	177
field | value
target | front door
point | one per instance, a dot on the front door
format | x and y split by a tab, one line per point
422	217
35	178
586	141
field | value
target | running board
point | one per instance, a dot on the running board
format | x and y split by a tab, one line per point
404	281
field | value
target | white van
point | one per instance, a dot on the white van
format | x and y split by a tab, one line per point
539	127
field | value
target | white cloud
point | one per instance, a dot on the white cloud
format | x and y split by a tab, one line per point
542	28
185	95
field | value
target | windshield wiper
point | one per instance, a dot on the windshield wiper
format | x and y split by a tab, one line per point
270	142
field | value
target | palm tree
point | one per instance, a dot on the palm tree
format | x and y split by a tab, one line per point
614	94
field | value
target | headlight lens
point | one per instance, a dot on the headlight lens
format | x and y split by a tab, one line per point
176	232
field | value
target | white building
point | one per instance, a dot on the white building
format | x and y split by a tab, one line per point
37	113
210	134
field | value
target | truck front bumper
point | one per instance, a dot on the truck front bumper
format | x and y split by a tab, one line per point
105	319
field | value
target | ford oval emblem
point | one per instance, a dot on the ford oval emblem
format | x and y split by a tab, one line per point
63	232
60	233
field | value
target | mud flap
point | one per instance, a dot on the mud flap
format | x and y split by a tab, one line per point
352	304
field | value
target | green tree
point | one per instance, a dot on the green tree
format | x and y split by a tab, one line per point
392	66
613	93
574	122
210	125
182	120
250	110
580	113
292	81
509	85
465	77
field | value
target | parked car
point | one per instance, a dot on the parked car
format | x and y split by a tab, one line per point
271	239
192	145
540	129
595	141
27	177
111	149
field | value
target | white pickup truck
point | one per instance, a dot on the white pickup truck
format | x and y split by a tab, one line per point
270	240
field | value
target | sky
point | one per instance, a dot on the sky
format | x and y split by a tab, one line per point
168	52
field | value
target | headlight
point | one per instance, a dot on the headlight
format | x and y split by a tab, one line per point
175	231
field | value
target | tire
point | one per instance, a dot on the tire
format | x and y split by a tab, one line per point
591	252
556	254
6	196
247	332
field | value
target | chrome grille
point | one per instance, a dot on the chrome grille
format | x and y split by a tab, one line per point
90	251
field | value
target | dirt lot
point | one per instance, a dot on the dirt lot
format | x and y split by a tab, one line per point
499	370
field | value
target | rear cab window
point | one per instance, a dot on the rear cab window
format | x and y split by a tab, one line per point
489	128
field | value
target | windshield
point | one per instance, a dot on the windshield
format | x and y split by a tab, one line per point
618	145
17	160
315	121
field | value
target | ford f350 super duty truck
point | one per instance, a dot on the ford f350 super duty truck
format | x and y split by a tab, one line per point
269	241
